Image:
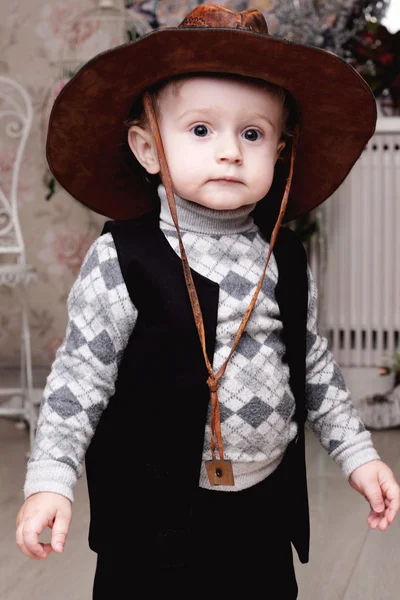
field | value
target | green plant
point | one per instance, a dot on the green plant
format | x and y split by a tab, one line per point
392	368
305	227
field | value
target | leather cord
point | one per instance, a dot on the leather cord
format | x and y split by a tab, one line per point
213	379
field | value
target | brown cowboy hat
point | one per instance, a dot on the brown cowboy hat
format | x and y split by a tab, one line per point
86	151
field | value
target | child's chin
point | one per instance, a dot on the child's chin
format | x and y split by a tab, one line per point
223	201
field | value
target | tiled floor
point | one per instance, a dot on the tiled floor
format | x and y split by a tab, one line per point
348	561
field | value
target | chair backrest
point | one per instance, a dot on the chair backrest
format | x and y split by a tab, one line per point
15	124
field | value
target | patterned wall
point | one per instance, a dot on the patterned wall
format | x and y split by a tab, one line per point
57	232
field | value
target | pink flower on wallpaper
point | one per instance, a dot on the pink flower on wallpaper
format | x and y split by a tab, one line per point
64	251
54	27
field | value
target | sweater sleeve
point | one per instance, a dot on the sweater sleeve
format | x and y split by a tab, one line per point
331	413
101	318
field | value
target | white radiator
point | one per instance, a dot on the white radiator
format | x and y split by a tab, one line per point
356	258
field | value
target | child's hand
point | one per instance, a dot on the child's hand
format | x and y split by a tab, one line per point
376	482
39	511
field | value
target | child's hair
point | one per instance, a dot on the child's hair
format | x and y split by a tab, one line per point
137	115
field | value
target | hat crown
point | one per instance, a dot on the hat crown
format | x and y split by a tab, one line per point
215	15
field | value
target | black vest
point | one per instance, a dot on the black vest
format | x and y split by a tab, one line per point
147	448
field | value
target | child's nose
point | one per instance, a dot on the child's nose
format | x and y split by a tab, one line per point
228	150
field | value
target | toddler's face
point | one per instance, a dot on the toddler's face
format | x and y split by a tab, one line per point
221	140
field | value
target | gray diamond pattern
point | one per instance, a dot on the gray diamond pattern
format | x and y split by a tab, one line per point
333	444
94	413
248	346
111	273
255	412
75	339
89	265
285	407
317	394
337	380
225	413
236	286
103	348
64	403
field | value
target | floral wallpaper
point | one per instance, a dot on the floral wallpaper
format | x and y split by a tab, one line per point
57	230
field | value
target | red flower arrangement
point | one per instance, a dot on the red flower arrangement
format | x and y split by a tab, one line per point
375	54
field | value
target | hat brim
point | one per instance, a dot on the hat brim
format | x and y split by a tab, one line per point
86	127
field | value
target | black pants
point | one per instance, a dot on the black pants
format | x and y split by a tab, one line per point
240	548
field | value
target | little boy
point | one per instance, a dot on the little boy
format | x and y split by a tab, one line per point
192	358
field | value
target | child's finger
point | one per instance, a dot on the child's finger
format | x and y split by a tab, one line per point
373	494
373	519
392	511
59	532
19	538
383	523
392	500
27	538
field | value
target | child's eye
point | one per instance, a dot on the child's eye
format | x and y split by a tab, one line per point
252	135
200	130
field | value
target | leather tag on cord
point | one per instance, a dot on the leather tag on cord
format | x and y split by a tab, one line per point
219	472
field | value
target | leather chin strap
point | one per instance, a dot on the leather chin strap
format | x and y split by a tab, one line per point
213	379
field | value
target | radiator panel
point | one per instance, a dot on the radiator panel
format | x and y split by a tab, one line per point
356	259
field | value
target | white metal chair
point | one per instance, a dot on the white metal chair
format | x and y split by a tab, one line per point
15	124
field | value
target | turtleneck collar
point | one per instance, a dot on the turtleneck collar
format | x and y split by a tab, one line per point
207	221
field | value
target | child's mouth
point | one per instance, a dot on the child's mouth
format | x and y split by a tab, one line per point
227	180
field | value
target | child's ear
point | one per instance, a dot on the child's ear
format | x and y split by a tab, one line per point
279	149
142	145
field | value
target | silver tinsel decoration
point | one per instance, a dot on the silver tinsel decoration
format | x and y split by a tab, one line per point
327	24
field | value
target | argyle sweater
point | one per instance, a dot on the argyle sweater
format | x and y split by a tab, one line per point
257	405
